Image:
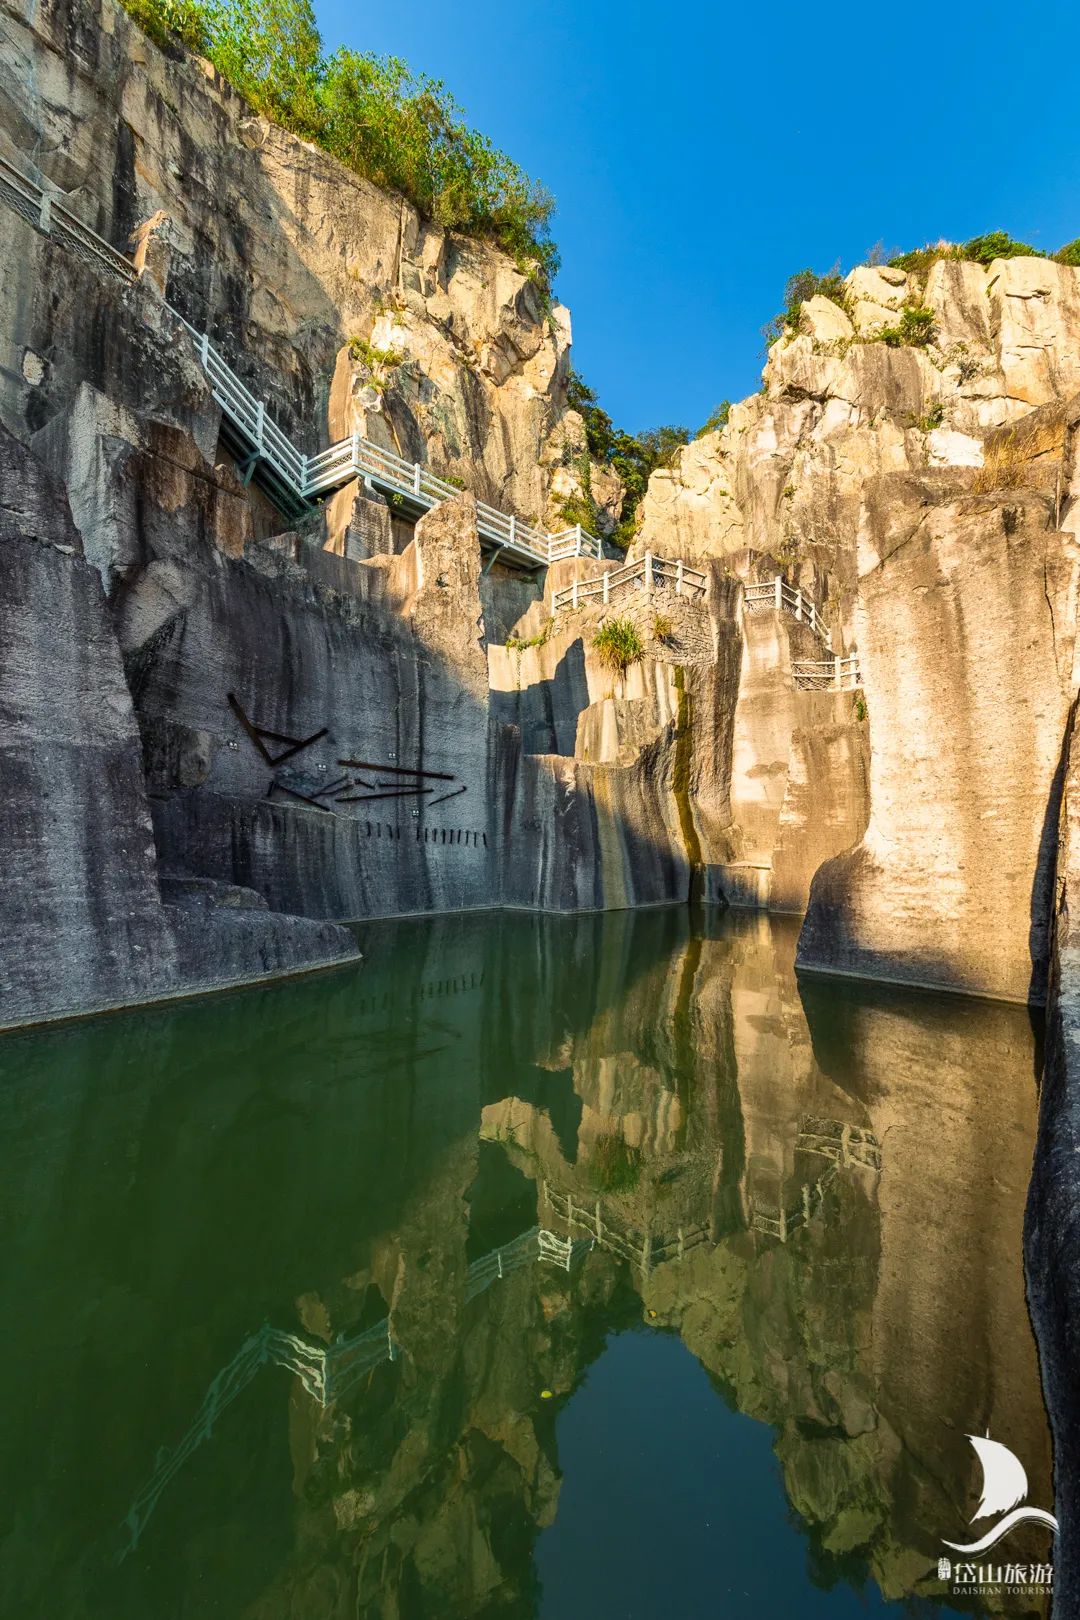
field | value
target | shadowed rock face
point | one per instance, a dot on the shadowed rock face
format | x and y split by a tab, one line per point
1052	1235
84	923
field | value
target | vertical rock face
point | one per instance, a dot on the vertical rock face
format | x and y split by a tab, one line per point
924	495
1052	1235
799	789
967	615
83	922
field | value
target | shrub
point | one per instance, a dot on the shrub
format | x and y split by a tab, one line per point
718	420
399	129
933	419
618	645
998	245
580	508
169	21
1069	254
919	261
980	250
916	328
634	456
804	284
376	361
662	627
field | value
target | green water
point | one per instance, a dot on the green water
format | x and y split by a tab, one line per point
583	1268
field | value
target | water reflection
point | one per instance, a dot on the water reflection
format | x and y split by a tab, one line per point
311	1291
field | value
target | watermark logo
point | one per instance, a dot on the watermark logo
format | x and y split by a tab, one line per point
1004	1493
1005	1485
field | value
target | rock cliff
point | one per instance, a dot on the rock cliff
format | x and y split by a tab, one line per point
352	713
918	484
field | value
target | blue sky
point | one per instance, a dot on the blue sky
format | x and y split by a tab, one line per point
699	155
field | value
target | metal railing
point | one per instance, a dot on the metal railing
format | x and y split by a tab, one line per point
650	572
291	478
827	674
776	594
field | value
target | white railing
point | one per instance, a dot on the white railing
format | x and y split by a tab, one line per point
267	448
827	674
650	572
776	594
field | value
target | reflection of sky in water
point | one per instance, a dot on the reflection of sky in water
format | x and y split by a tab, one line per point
287	1271
672	1504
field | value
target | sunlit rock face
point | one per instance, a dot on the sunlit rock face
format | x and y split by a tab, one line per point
967	631
924	496
286	257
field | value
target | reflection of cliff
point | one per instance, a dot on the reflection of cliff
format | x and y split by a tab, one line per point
354	1160
873	1204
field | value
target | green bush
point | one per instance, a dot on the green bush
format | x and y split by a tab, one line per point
618	645
399	129
718	420
916	328
377	361
998	245
800	287
979	250
580	508
1069	254
933	419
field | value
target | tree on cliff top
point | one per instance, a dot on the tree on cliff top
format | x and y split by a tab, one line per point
634	456
401	130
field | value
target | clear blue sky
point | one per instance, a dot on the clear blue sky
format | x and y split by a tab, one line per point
700	154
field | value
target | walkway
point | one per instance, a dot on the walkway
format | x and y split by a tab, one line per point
294	480
642	1249
290	478
833	674
647	573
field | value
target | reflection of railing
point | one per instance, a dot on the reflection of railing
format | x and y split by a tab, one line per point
291	478
777	594
650	572
327	1372
846	1146
642	1249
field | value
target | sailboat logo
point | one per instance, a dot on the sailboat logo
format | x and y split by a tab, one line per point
1005	1485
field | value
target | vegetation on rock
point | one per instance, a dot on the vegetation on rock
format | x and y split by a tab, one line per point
716	420
617	644
916	328
804	285
980	250
633	456
402	130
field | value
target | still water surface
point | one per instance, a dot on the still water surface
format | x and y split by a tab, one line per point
580	1268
